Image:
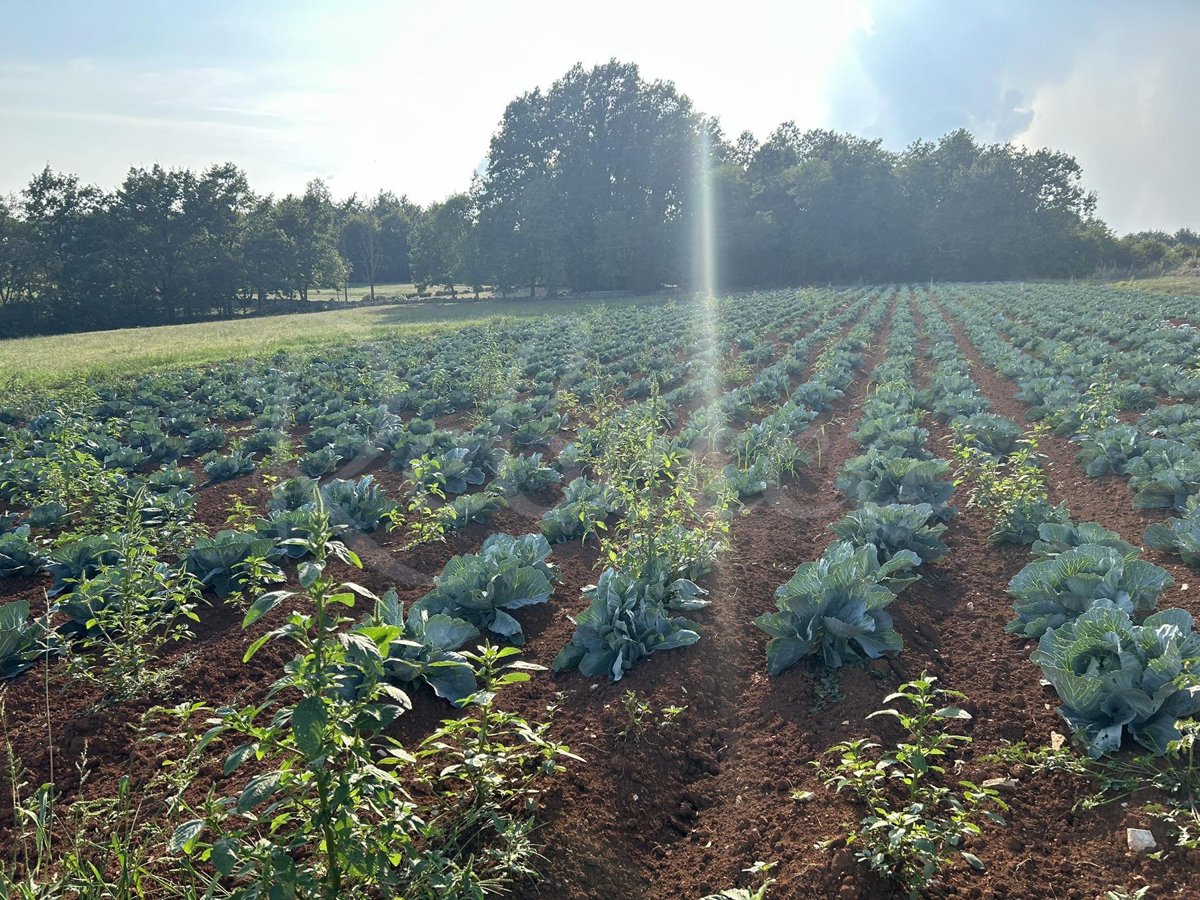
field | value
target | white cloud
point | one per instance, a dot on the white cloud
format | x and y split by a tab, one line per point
1129	112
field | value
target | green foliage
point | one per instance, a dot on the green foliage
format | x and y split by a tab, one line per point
19	556
624	623
835	607
507	574
988	433
886	478
1181	536
22	640
226	468
359	504
421	648
893	528
1109	450
227	562
584	507
333	792
526	473
1055	538
915	822
125	614
1051	592
640	717
72	560
1116	678
320	462
1011	490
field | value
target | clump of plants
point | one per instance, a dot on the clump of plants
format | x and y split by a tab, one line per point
915	822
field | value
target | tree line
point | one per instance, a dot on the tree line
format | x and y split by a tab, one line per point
605	181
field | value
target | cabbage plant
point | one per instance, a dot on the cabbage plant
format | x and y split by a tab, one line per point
1115	678
893	528
22	640
19	556
1181	536
623	624
526	473
1050	592
1056	538
994	435
72	561
836	607
1109	450
506	574
584	504
226	468
884	478
359	504
420	647
222	562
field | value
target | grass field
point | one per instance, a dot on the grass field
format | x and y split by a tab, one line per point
1172	285
57	360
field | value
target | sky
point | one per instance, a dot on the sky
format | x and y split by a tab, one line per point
404	96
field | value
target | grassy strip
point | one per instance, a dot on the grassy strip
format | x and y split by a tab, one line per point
58	360
1171	285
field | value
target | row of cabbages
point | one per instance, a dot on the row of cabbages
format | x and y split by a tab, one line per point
835	608
1083	593
1078	384
629	614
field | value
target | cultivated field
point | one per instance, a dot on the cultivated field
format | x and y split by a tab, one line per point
741	525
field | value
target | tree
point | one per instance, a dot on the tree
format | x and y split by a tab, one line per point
308	222
362	243
443	247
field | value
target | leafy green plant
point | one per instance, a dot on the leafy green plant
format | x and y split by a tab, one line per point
915	822
584	507
320	462
1109	450
988	433
125	614
226	468
226	561
759	870
1056	538
1051	592
624	623
73	560
886	478
328	811
1011	490
23	641
469	508
1180	536
507	574
640	717
748	482
19	556
359	504
835	607
419	648
1116	678
893	528
526	473
290	531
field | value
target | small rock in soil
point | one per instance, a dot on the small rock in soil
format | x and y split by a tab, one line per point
1139	840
